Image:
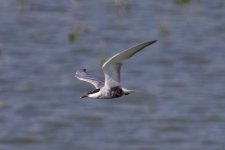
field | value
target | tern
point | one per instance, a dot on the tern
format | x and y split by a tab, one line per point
111	87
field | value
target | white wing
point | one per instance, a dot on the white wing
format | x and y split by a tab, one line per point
111	67
84	76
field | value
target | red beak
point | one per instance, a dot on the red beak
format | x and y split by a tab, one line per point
83	96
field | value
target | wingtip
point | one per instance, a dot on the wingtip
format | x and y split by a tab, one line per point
154	41
80	71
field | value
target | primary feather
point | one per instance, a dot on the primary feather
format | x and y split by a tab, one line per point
84	76
111	67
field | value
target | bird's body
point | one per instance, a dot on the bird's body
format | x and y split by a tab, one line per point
111	87
107	93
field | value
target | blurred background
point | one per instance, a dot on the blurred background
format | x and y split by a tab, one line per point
180	80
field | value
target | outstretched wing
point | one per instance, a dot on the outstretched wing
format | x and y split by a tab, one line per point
111	67
84	76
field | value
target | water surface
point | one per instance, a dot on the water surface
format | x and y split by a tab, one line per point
180	99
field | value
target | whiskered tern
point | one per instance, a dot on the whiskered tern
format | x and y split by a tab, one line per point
111	87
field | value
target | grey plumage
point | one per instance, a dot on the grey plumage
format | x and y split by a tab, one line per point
84	76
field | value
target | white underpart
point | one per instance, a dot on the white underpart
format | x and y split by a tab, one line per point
103	93
94	95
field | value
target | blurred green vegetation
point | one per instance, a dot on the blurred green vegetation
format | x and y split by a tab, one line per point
182	2
165	31
123	8
78	29
72	37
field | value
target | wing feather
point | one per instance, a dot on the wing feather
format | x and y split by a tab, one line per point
112	66
84	76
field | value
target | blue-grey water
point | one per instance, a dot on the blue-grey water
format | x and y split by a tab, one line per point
179	103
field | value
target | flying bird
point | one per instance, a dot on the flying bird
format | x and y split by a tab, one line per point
111	87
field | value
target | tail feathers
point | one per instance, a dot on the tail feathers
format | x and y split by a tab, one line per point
127	91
